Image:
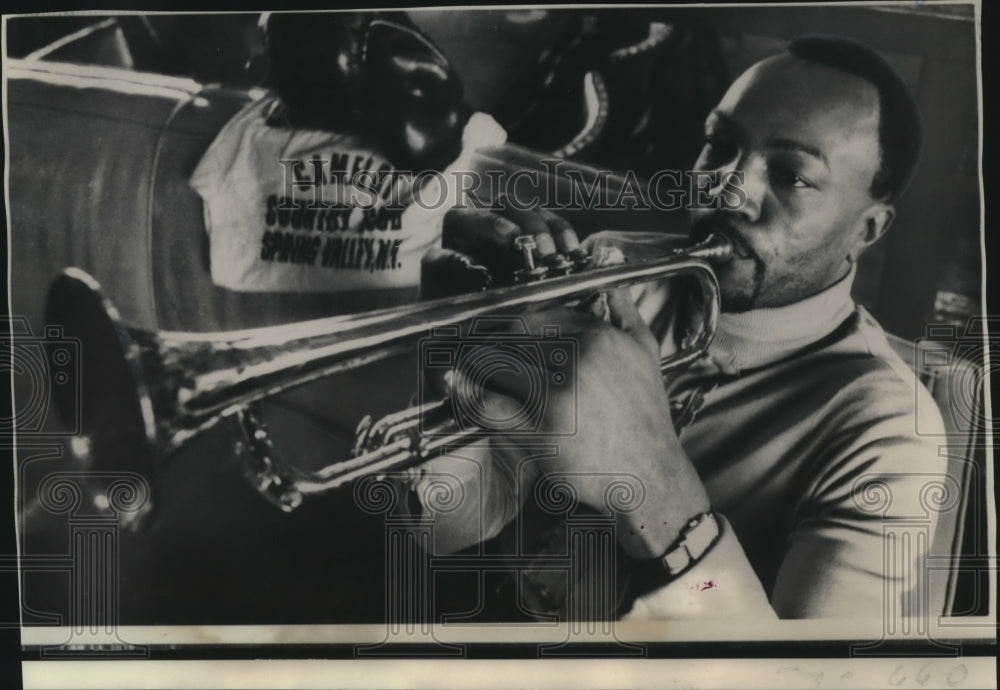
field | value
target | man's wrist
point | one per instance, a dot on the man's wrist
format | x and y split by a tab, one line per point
672	495
651	530
696	541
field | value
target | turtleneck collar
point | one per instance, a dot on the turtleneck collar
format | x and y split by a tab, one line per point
754	338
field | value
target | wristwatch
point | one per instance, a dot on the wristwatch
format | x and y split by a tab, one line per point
697	537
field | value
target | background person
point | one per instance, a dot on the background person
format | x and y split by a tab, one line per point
311	187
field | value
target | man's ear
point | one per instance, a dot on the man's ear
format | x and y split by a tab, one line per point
874	224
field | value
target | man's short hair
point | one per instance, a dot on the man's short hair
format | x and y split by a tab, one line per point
900	131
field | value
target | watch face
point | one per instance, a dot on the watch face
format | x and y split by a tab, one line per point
698	537
677	560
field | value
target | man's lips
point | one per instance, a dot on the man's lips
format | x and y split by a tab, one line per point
740	248
718	225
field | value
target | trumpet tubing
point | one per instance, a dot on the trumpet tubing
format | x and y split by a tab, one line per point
147	393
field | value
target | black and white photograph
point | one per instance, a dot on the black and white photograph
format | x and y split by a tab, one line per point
513	346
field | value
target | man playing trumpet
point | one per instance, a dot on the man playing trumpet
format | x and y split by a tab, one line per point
765	464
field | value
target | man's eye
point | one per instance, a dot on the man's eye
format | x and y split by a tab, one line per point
787	178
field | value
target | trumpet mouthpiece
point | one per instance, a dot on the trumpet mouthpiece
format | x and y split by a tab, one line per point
717	249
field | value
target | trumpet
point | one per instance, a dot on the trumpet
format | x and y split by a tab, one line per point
146	394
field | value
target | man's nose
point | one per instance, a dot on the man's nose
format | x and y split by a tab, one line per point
742	185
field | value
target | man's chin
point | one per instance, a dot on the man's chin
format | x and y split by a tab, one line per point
738	287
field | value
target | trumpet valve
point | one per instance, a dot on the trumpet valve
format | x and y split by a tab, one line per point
557	265
581	259
529	272
526	245
529	275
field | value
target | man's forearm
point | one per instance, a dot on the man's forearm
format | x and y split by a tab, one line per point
673	494
721	584
649	531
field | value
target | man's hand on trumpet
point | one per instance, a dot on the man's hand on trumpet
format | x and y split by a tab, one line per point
479	248
621	416
619	409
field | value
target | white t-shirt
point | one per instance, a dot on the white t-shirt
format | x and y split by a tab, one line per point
314	211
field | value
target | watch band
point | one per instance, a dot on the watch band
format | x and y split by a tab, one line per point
697	537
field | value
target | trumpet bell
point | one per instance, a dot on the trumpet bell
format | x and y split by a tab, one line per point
110	398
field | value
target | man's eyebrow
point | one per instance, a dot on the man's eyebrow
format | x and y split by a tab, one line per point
792	145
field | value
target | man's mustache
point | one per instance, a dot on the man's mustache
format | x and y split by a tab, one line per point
721	224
